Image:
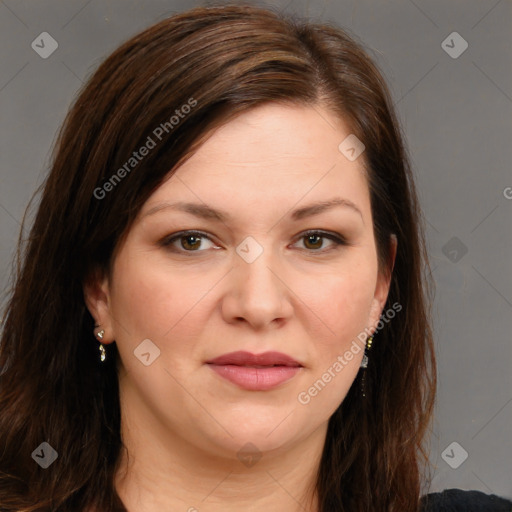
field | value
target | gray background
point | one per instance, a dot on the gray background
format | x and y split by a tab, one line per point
456	114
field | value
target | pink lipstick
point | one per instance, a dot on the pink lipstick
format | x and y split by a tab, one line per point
255	372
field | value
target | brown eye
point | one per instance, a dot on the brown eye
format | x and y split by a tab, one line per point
313	240
189	241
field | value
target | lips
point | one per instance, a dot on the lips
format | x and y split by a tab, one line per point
255	372
263	360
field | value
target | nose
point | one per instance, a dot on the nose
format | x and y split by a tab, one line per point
257	293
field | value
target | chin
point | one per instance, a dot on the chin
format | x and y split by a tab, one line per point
251	441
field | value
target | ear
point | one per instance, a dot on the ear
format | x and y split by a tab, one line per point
97	300
382	287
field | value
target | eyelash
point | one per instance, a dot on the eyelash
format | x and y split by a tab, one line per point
336	238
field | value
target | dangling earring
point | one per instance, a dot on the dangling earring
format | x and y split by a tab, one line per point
364	364
103	353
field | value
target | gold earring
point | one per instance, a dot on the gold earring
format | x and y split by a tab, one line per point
364	364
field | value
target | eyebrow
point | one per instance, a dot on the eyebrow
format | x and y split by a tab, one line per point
206	212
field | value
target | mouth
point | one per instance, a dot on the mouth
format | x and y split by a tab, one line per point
255	372
255	366
264	360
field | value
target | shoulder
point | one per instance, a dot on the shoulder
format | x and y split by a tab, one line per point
455	500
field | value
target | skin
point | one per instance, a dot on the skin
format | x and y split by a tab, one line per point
182	424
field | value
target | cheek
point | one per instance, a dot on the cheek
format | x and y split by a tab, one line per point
146	300
343	304
354	305
136	300
338	351
151	299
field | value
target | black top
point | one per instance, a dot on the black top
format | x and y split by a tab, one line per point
457	500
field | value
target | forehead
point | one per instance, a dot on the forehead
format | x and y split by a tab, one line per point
271	155
277	131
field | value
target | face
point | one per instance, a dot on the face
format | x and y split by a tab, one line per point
251	279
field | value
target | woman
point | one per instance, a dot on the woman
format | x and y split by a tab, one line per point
222	302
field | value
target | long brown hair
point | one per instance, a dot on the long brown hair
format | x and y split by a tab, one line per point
221	61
